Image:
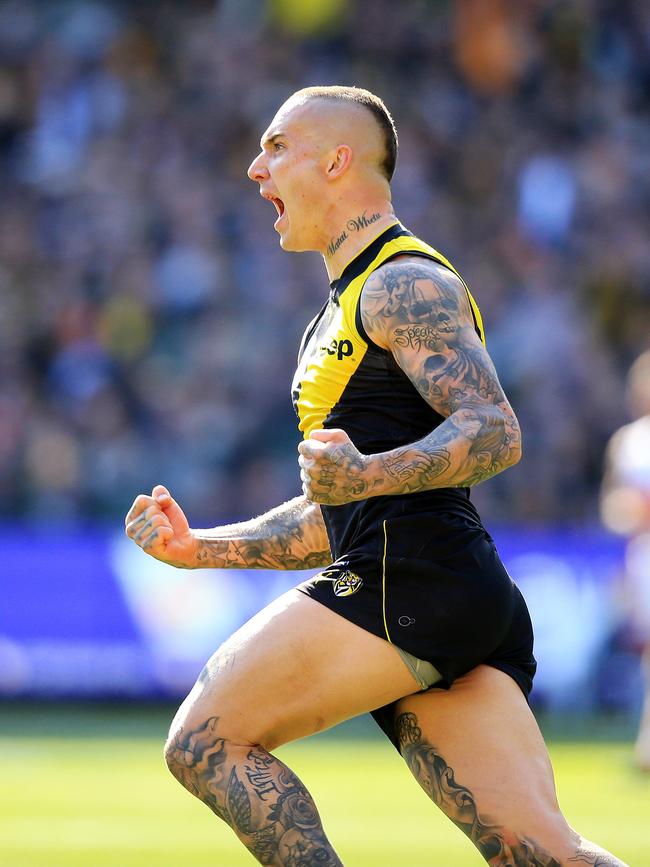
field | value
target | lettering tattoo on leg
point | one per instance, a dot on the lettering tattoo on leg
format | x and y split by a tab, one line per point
496	844
259	772
256	794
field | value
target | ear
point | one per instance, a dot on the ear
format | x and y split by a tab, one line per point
338	162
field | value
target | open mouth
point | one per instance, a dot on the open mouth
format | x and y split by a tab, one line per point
279	205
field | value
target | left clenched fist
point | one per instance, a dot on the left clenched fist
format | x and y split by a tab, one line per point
332	469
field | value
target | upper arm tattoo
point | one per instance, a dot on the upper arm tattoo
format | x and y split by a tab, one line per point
420	312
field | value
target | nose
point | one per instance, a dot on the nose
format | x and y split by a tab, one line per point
257	171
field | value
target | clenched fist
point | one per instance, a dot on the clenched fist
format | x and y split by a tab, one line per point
158	525
333	471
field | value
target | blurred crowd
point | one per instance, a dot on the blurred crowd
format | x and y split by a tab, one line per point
149	321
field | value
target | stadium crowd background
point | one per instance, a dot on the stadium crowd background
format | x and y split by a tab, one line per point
148	319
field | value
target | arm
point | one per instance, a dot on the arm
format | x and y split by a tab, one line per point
431	334
624	506
419	311
291	536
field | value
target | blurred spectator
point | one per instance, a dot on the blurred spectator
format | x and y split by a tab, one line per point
625	507
148	320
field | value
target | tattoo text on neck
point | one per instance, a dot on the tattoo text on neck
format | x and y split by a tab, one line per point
361	221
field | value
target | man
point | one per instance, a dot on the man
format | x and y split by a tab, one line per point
625	507
413	593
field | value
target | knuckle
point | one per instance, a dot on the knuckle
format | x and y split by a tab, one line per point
151	540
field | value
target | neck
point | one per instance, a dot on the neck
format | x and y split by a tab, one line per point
353	228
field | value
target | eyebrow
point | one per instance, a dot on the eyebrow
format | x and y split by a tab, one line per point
271	139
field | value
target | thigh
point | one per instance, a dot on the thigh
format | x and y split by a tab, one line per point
477	751
294	669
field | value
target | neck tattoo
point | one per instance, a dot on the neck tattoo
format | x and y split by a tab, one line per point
361	221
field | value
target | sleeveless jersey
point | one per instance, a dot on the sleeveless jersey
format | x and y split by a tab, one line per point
344	380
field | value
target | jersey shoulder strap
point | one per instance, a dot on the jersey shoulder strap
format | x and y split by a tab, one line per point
401	245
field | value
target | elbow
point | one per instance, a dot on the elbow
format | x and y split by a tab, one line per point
516	453
513	435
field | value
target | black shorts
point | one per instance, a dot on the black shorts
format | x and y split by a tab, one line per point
434	585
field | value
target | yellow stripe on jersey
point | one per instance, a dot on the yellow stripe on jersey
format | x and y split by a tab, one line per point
329	360
335	350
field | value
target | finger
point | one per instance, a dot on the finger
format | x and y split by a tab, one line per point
161	494
155	522
141	502
133	526
313	447
169	505
331	435
307	463
157	539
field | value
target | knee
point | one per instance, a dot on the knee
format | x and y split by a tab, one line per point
183	754
193	751
197	747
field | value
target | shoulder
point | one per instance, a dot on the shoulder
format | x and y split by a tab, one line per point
416	290
629	442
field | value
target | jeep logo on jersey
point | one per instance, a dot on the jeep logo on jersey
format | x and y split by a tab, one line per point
347	583
341	348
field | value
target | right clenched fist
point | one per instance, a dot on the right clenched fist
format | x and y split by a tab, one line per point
159	526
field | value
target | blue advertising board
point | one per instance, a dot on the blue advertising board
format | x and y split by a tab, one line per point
87	613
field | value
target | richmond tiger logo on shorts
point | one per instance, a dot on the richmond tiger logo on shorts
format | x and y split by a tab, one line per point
344	582
347	583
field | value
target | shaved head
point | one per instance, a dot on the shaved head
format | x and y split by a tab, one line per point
359	115
325	161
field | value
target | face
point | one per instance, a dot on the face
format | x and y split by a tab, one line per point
290	170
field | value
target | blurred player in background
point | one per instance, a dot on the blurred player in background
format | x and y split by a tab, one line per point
625	507
402	413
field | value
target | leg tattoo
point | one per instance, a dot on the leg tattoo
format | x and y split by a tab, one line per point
596	859
256	794
497	845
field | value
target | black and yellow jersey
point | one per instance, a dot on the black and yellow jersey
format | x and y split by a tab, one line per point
344	380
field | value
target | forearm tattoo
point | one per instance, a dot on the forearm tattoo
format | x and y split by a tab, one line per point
421	313
497	844
292	536
256	794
